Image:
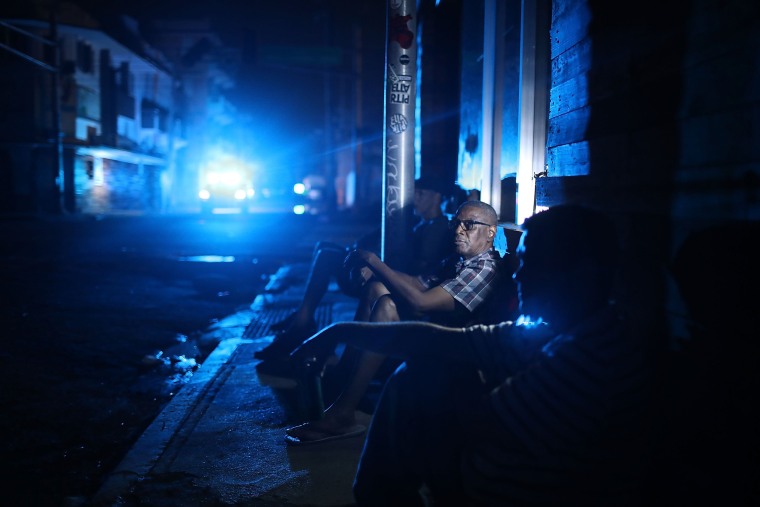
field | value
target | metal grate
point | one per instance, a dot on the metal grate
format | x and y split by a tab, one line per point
259	325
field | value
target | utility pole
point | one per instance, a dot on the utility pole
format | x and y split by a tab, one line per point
61	183
398	133
327	83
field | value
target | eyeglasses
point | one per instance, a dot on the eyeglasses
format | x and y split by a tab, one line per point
468	225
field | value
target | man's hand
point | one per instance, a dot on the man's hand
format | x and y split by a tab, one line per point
358	258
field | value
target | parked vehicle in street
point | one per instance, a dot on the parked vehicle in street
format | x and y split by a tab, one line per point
226	186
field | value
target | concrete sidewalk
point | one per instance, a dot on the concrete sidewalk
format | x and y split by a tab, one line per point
220	441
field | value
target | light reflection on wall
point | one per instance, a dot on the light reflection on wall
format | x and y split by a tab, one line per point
97	172
101	193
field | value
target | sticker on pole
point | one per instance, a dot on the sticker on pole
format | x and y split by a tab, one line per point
399	31
398	123
392	74
401	90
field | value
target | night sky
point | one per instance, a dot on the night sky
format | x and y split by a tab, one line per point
279	91
288	97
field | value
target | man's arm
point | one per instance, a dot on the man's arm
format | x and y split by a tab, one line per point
399	339
407	287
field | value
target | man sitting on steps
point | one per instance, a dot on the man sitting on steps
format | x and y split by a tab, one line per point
449	297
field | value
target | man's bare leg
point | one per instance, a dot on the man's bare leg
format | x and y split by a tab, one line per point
351	357
371	293
341	415
326	264
301	324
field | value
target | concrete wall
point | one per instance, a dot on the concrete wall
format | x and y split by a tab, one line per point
654	117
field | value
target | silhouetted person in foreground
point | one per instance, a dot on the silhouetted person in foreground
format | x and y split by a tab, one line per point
546	410
709	452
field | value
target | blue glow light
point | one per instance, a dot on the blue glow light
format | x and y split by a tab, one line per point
527	322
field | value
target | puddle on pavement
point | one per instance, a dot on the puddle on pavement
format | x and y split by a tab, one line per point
207	258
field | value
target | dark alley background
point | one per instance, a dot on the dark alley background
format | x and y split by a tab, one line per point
94	308
111	143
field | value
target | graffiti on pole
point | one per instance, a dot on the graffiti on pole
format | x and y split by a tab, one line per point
398	123
392	174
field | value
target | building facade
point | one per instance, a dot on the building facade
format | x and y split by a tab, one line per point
98	120
648	112
97	135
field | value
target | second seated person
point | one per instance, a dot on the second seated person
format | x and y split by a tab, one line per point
430	244
451	297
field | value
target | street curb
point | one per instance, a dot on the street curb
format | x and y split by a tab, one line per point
155	440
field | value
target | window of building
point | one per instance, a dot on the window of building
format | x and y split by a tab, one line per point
84	57
88	103
124	79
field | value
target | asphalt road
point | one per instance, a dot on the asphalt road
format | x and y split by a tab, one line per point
98	315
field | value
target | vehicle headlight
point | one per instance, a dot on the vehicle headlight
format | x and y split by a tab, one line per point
240	194
204	194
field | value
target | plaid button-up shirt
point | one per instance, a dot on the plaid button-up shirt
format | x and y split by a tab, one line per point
475	279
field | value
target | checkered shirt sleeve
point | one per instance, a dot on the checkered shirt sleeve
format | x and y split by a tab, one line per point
475	280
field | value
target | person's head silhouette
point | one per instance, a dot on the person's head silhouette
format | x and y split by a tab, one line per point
568	255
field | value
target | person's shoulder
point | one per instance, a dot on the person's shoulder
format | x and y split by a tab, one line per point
490	258
441	220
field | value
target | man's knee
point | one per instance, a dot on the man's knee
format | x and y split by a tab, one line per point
385	310
374	290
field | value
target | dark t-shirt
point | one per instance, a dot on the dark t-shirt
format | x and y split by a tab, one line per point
563	421
432	242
